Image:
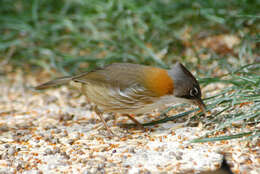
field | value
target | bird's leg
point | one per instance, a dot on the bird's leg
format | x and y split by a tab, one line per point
100	114
140	126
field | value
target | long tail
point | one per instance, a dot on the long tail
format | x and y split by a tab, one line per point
55	82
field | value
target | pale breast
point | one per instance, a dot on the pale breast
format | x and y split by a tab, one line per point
112	99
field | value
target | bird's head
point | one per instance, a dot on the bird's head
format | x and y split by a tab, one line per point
186	87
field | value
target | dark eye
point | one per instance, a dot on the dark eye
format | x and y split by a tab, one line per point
194	92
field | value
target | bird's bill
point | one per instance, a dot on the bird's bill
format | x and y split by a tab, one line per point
200	104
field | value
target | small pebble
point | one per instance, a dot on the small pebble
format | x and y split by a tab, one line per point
7	145
55	140
11	151
48	151
70	141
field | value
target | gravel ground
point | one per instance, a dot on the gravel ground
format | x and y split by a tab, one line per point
55	131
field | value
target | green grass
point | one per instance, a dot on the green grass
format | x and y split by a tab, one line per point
74	36
244	90
62	34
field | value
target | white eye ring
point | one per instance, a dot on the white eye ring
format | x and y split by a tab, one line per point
194	91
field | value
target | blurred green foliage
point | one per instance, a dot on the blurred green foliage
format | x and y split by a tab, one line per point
66	33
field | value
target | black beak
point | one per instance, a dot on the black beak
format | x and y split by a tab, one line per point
200	103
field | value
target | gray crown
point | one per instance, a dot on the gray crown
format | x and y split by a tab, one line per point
184	81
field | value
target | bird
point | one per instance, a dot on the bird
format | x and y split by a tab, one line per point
133	89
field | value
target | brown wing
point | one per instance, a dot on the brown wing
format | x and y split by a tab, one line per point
119	75
124	81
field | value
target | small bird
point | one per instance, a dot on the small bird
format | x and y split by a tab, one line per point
134	89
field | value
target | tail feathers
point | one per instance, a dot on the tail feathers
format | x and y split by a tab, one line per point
55	82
